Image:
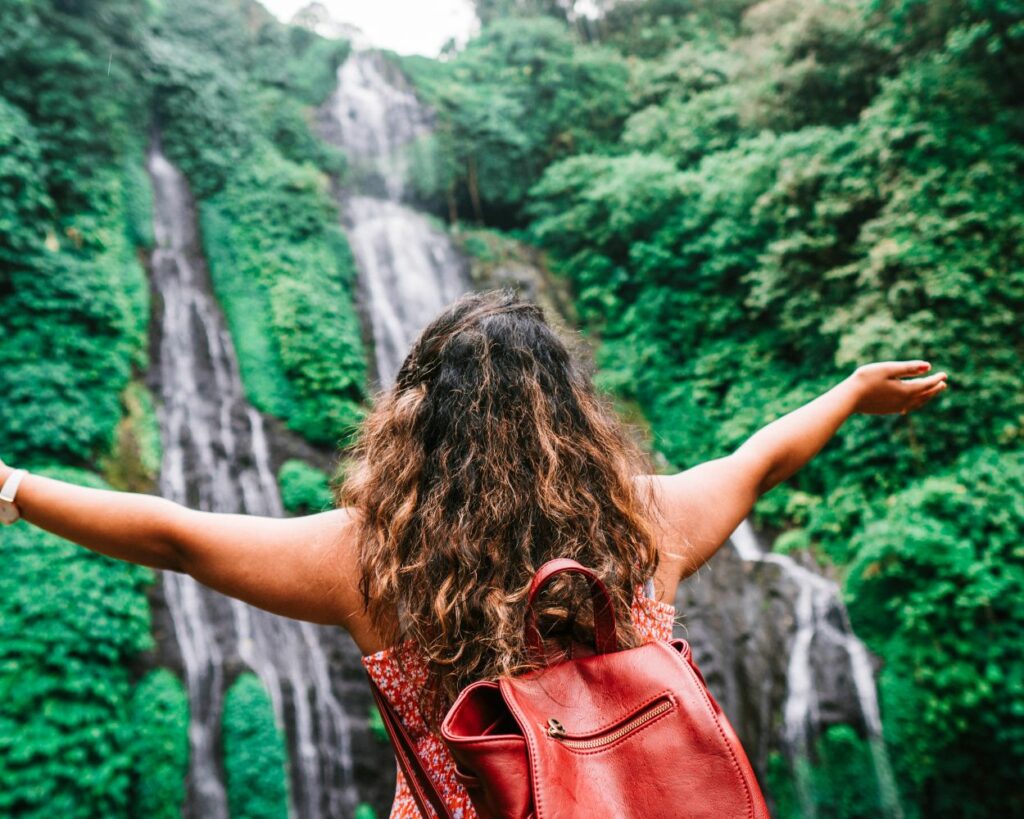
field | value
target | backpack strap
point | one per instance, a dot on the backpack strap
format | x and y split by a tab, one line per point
422	788
605	638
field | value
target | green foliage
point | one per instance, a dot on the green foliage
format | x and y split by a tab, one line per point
249	42
83	82
77	326
254	753
137	194
52	56
224	78
687	130
159	726
233	119
796	189
935	588
365	811
134	461
985	33
71	622
767	271
841	775
24	204
299	62
748	200
74	208
522	94
304	488
652	28
279	262
200	111
286	124
75	296
377	727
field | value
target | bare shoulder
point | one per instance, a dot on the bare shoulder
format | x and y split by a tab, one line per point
695	511
331	540
673	523
337	532
340	528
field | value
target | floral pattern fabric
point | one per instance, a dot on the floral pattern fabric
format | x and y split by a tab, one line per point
400	673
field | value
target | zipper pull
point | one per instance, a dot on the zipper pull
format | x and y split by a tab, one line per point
555	728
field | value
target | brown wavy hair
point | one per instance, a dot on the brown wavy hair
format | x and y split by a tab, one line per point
491	454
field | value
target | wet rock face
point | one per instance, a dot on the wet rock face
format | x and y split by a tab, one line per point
496	261
738	618
741	618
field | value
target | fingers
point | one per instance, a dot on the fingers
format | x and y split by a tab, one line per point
927	395
915	388
905	369
919	385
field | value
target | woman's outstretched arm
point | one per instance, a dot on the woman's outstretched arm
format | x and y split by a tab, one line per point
298	567
705	504
780	449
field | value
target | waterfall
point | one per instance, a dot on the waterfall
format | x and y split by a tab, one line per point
408	266
217	459
821	618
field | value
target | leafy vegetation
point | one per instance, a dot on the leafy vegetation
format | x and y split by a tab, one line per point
837	775
747	199
304	488
778	192
935	587
71	622
254	753
73	212
520	96
134	461
284	273
229	89
159	745
232	119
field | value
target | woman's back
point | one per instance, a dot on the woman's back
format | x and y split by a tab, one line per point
401	673
490	455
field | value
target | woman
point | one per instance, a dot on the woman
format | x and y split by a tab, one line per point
490	455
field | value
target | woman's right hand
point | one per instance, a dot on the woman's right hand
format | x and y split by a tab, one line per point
887	387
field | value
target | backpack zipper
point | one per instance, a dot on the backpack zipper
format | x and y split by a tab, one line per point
556	730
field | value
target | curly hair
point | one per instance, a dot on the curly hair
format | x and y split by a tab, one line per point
491	454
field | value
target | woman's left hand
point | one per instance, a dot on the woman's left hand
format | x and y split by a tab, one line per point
887	387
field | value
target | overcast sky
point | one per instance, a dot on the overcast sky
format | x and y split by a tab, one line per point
405	26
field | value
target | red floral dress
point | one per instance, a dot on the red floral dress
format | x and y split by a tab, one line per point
400	673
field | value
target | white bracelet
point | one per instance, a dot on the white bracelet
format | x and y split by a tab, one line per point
9	513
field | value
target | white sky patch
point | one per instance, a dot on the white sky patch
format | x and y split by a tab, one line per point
405	26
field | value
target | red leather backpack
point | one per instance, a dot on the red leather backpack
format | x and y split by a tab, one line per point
611	735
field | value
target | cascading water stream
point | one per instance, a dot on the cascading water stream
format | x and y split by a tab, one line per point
216	458
818	608
408	267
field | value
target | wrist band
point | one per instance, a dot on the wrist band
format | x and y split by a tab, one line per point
10	488
8	511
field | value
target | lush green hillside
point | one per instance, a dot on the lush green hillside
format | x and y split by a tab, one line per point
752	199
83	86
230	94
